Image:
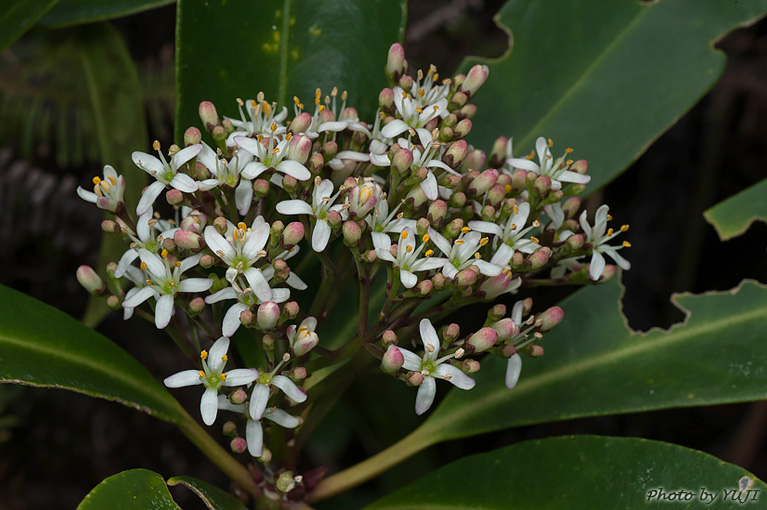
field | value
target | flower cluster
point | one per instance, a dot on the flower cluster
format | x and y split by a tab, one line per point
272	199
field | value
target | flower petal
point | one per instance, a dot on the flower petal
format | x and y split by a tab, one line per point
258	284
147	162
407	278
232	320
240	376
395	127
320	235
163	311
258	400
254	435
150	195
513	368
227	293
289	388
217	353
282	418
195	285
294	169
429	338
209	406
218	244
597	266
185	378
294	207
454	375
425	397
139	297
243	196
183	182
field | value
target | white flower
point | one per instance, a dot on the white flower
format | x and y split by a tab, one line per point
362	198
463	253
413	113
293	280
430	157
212	377
598	237
167	174
262	390
164	282
229	173
246	299
426	92
241	249
555	169
254	432
144	237
107	192
407	260
557	215
329	110
512	234
305	338
383	221
271	156
431	368
322	203
262	117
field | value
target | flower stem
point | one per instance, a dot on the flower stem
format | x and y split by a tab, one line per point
373	466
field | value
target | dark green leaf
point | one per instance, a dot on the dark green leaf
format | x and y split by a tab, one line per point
136	489
732	217
605	78
284	49
42	346
595	365
118	113
72	12
17	16
212	496
579	472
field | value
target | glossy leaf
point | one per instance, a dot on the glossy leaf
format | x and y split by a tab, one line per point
136	489
118	112
212	496
72	12
578	472
42	346
605	78
733	216
284	49
17	16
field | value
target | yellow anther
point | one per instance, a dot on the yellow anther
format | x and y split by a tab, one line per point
404	95
177	264
421	92
321	108
425	238
419	110
403	235
484	241
253	104
420	75
296	100
242	226
276	150
235	235
343	95
202	374
204	354
259	137
240	102
435	77
156	145
514	209
317	93
96	180
477	256
513	226
317	181
609	217
428	253
569	162
626	244
164	253
267	109
408	248
142	266
550	143
609	231
535	239
224	357
223	377
531	155
465	230
435	107
274	126
568	150
112	180
288	136
97	190
149	282
459	241
624	228
507	188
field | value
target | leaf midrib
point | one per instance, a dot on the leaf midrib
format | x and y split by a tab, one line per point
99	368
578	83
568	371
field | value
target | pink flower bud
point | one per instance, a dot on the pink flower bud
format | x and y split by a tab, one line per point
475	160
230	429
395	62
389	338
463	128
352	233
219	134
174	196
113	302
238	397
208	115
424	287
91	281
498	153
465	278
192	136
551	318
456	153
292	235
474	79
329	149
268	315
542	184
301	148
495	195
238	445
301	123
414	378
207	261
221	225
534	350
290	310
496	312
468	111
438	280
482	340
401	162
405	82
334	219
484	182
437	212
421	226
415	197
581	166
575	242
290	184
316	162
247	318
386	99
110	227
392	360
188	240
506	329
196	306
451	332
539	259
470	366
277	228
458	100
298	374
571	207
497	285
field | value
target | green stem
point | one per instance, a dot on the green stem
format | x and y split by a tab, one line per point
373	466
220	457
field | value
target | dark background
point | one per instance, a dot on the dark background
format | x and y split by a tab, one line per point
55	446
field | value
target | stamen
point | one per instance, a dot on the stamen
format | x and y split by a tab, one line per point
421	92
459	241
149	282
142	266
609	217
156	145
409	248
568	150
96	181
428	253
624	228
447	377
273	126
513	226
514	209
240	102
403	235
626	244
531	155
242	226
465	230
477	256
507	188
536	223
202	374
223	377
550	143
224	357
429	347
484	241
204	354
609	231
535	239
425	238
177	264
317	181
164	253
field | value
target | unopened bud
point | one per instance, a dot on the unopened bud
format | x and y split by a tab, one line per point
268	315
482	340
290	184
506	329
386	99
388	338
174	196
424	287
266	456
534	351
414	378
475	160
208	115
297	374
581	166
470	366
468	111
406	82
290	310
113	302
305	342
261	187
292	235
575	242
438	280
416	198
542	184
196	306
609	272
497	312
538	259
370	256
483	182
267	342
454	228
551	318
228	126
91	281
571	207
316	163
192	136
465	278
188	240
422	226
457	101
334	219
206	261
221	225
451	332
219	135
238	397
456	153
352	233
110	227
401	161
498	153
285	482
457	199
395	62
329	149
437	212
301	148
238	445
474	79
495	195
392	360
247	318
462	129
301	123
